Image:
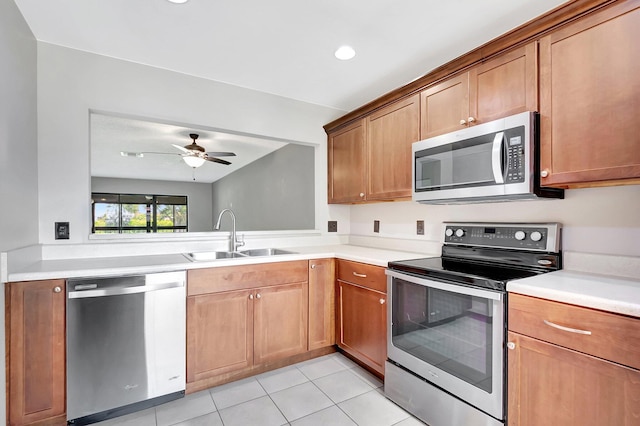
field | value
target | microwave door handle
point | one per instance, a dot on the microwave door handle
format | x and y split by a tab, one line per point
496	157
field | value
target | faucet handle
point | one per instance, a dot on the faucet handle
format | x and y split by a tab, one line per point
240	240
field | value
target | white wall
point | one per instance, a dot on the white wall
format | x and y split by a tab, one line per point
71	82
18	146
595	220
18	131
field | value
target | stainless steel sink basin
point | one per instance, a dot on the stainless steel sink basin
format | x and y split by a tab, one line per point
266	252
213	255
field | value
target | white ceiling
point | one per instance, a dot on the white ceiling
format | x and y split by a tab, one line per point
111	135
284	47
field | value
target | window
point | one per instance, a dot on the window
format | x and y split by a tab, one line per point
138	213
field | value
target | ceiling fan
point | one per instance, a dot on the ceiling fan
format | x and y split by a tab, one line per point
194	155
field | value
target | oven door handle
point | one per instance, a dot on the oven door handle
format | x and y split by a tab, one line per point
454	288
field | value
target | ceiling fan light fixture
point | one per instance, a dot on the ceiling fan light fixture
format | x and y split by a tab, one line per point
193	161
178	1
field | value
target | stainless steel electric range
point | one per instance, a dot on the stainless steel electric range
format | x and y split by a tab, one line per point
447	320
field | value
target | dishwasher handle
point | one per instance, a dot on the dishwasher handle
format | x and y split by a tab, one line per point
116	291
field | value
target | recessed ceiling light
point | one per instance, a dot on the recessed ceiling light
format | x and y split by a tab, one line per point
178	1
345	53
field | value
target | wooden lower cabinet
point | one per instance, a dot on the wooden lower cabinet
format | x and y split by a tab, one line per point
322	303
234	323
362	314
35	337
219	333
280	319
552	385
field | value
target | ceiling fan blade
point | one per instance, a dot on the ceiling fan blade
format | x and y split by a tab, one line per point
181	148
217	160
221	154
161	153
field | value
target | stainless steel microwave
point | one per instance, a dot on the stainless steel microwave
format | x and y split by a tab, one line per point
489	162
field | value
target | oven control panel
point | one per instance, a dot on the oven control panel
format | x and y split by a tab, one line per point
538	237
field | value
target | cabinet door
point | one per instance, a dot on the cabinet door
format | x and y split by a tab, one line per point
219	333
551	385
590	98
346	153
505	85
362	324
321	303
391	131
36	352
444	106
281	321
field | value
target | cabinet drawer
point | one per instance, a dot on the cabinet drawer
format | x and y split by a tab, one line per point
369	276
227	278
601	334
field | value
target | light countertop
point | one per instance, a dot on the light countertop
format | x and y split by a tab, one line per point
103	266
607	293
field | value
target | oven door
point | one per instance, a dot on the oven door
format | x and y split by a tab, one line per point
450	335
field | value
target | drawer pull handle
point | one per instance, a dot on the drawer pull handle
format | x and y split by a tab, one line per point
570	330
360	275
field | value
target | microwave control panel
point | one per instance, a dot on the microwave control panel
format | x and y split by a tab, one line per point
515	148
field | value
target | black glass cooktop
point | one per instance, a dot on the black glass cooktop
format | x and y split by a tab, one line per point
492	276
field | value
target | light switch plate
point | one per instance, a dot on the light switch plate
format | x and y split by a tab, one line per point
62	231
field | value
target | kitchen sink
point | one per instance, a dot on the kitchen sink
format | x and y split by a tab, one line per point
266	252
215	255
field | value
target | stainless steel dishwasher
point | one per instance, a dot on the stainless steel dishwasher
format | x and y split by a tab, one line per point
125	344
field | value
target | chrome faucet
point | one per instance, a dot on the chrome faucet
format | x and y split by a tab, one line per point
233	240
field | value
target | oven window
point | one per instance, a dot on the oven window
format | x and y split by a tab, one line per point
450	331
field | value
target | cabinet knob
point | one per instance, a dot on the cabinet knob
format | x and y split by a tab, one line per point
471	120
258	296
544	173
463	122
57	289
361	194
511	345
382	301
251	297
313	266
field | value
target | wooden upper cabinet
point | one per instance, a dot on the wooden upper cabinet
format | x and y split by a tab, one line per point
499	87
444	106
346	169
36	373
505	85
590	99
390	132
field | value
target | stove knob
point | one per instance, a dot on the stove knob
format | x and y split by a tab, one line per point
448	232
536	236
459	232
520	235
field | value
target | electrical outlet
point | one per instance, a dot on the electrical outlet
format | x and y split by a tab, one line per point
376	226
62	231
420	227
332	226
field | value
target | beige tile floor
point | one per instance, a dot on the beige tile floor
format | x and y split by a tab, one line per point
330	390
